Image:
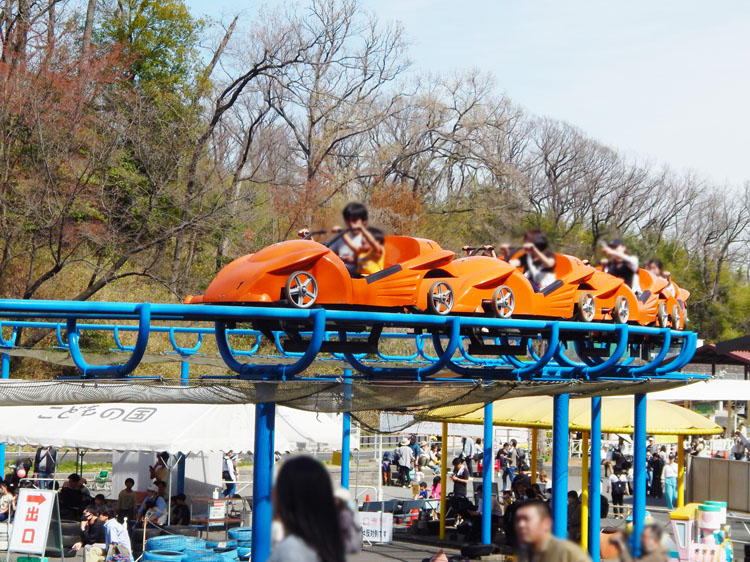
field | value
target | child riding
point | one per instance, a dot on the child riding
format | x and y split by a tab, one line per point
536	261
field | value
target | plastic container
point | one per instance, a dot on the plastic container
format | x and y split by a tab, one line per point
241	533
167	542
164	556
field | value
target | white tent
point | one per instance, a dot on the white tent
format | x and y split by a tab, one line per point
713	390
165	427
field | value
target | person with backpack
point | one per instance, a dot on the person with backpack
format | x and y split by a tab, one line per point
618	487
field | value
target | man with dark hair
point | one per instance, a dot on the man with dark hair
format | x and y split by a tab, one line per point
532	522
536	260
115	534
355	217
72	498
621	263
92	535
180	511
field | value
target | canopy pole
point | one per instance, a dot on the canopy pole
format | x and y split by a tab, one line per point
560	412
595	482
380	463
534	461
265	425
585	490
639	472
680	470
487	476
443	479
347	430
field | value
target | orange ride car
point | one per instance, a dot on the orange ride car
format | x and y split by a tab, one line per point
305	273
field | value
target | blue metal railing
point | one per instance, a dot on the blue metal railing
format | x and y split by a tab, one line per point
568	353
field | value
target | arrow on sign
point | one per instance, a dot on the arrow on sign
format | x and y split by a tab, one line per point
38	499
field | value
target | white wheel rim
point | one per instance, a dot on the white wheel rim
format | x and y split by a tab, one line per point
676	317
588	308
623	311
442	298
505	302
663	315
303	290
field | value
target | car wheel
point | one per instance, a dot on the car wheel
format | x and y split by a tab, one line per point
301	289
440	298
662	317
586	307
621	311
676	317
503	301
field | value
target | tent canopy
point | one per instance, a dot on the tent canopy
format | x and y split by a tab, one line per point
714	390
162	427
662	418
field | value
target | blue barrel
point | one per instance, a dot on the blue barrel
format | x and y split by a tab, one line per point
194	543
221	544
167	542
241	533
229	554
164	556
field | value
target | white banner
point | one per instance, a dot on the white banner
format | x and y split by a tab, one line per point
31	523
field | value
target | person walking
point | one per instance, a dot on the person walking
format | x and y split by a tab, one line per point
669	478
618	487
303	503
405	462
229	473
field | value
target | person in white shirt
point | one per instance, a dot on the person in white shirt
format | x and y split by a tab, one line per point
405	462
669	481
229	473
115	533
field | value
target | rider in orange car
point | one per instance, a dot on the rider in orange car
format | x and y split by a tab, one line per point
656	267
621	263
370	253
536	261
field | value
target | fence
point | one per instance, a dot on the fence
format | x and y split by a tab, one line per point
719	480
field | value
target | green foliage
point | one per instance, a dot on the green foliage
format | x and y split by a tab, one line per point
162	38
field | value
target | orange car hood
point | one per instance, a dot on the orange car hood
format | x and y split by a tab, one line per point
233	282
480	271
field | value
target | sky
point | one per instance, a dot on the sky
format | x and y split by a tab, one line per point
664	81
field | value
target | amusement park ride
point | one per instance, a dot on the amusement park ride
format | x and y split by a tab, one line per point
475	319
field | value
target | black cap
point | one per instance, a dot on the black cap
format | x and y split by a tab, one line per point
616	242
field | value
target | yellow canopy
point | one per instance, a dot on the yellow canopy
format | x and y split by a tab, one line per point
662	418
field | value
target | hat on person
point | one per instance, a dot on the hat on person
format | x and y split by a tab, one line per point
152	488
615	242
404	441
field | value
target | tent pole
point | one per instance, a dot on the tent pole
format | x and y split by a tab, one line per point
347	430
534	461
443	479
595	482
560	412
639	472
680	470
585	490
265	422
487	476
380	464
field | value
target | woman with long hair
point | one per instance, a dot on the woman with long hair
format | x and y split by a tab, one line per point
304	504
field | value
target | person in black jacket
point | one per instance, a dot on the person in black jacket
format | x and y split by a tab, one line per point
92	533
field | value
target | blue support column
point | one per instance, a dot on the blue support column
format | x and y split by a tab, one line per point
347	430
595	488
560	414
181	474
265	422
184	373
639	472
487	476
